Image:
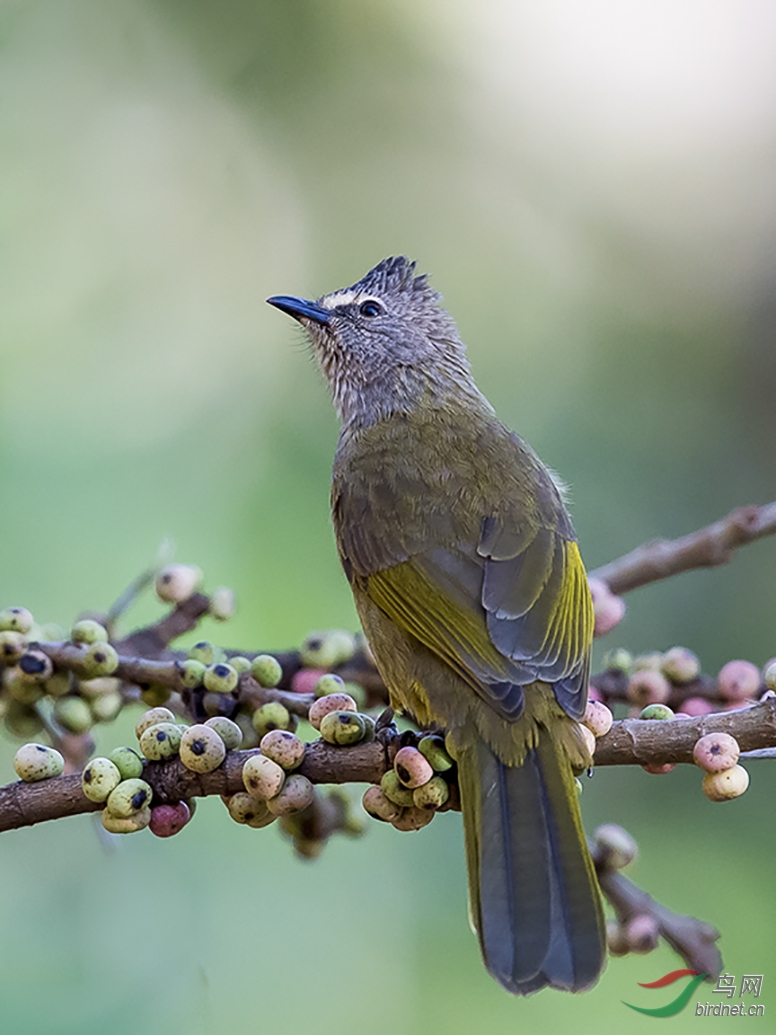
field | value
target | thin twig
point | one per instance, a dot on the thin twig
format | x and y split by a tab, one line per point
706	548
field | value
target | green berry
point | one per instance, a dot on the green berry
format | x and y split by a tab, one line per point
73	714
201	749
262	777
151	718
327	649
394	790
99	778
89	631
126	824
330	703
100	660
250	738
221	604
239	664
681	665
433	748
217	704
656	711
357	692
58	685
34	762
271	716
296	794
177	582
618	660
35	666
161	741
220	678
431	795
343	728
129	797
330	684
155	695
22	720
16	619
266	670
770	676
12	646
204	652
228	731
284	748
191	673
128	762
20	688
106	707
92	688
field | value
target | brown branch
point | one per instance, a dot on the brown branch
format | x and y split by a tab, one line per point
706	548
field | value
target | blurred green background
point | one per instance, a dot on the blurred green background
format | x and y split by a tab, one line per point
591	187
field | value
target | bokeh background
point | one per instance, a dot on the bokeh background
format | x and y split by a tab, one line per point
591	187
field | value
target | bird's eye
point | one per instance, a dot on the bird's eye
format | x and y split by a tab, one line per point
370	308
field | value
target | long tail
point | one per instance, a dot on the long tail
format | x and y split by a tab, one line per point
533	893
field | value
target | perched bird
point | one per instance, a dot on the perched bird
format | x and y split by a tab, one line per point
473	596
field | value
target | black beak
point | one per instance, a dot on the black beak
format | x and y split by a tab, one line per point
300	308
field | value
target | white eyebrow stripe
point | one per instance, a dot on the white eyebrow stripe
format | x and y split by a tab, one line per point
339	298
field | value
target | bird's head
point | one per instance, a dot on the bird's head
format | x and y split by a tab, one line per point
384	344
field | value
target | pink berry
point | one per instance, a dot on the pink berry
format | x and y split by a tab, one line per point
598	718
167	820
642	933
695	706
330	703
594	694
412	767
646	686
716	752
609	609
657	769
738	680
303	681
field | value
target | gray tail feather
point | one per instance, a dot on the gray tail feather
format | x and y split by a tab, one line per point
533	894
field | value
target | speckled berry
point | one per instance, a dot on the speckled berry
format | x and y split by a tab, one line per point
433	749
296	794
99	778
168	820
129	797
614	846
128	762
152	717
177	582
34	762
284	748
431	795
322	706
161	741
413	818
379	806
738	680
220	678
262	777
16	619
412	767
656	711
395	791
222	604
680	665
730	783
598	718
201	749
73	714
271	716
648	686
716	752
228	731
244	808
192	673
343	728
126	824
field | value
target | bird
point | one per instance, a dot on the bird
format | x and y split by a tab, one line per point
472	594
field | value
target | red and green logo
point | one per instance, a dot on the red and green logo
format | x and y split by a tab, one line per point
672	1008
